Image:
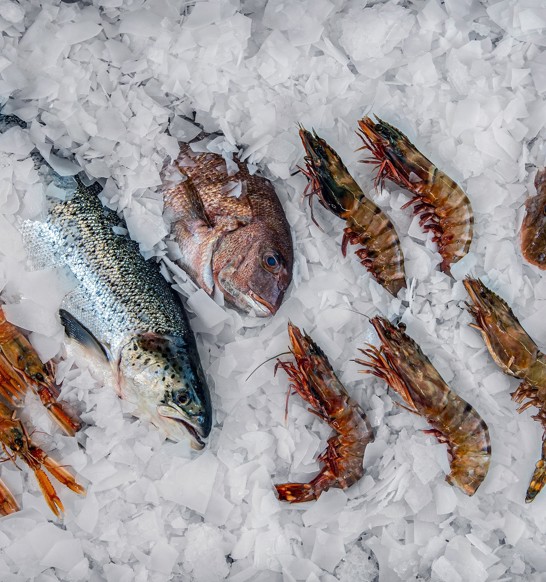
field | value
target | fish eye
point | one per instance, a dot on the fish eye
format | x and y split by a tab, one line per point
182	399
271	262
544	211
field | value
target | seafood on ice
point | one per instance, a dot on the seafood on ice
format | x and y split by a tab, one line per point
443	207
231	229
366	224
400	362
120	307
18	445
517	355
533	229
312	377
21	367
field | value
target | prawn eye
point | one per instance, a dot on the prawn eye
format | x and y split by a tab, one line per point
544	211
271	262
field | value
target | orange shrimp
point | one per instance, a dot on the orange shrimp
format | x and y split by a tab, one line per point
403	366
443	207
20	366
314	380
17	444
517	355
367	224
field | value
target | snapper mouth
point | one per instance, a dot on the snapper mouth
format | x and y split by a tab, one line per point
173	414
262	307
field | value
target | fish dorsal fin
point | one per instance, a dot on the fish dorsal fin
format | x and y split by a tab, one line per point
76	331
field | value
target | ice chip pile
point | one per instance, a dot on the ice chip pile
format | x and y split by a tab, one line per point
111	84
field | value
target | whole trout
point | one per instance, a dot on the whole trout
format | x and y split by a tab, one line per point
231	229
120	305
533	229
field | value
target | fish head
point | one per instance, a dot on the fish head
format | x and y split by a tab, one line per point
252	267
163	375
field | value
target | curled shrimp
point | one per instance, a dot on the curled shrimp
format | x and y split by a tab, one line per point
533	229
517	355
17	444
20	366
443	207
314	380
403	366
367	224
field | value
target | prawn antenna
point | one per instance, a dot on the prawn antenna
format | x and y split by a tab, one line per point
265	362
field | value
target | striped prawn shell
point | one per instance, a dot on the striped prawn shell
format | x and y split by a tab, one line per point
366	224
516	353
442	205
455	422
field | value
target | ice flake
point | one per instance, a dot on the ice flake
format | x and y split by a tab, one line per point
326	508
79	31
178	485
65	555
163	557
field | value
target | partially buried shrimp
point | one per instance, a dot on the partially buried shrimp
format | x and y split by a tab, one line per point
314	380
403	366
367	224
516	354
20	366
17	444
533	229
443	207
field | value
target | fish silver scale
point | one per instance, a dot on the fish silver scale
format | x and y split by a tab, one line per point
130	295
124	301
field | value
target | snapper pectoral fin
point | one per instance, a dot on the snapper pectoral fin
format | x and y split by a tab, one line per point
198	241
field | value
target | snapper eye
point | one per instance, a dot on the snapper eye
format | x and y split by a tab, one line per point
271	262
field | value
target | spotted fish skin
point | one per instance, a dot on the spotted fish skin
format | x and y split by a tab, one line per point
123	303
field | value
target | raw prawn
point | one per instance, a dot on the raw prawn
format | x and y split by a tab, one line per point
314	380
367	224
17	444
517	355
533	229
20	366
443	207
403	366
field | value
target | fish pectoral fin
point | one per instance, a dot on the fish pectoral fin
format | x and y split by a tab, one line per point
76	331
198	245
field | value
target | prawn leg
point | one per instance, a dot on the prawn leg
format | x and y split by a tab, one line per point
8	504
20	365
18	445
